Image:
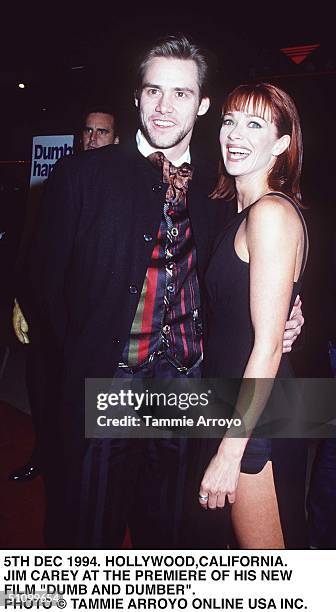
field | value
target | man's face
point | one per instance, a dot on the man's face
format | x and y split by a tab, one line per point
169	104
98	131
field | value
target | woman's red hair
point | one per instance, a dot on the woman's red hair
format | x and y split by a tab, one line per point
286	172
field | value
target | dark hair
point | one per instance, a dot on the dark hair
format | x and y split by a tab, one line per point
98	108
286	172
177	47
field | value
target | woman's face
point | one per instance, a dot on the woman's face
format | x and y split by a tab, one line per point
249	142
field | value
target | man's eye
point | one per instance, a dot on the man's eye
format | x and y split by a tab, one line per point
152	91
180	94
87	130
254	124
102	132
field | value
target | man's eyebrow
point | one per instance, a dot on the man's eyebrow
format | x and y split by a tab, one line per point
187	89
90	127
154	86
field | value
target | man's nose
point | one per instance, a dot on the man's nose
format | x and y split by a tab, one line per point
93	136
164	104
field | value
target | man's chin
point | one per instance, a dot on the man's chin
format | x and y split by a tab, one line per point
162	141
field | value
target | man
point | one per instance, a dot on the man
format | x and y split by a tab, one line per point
130	224
99	130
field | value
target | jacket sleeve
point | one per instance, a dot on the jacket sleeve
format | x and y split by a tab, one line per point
51	252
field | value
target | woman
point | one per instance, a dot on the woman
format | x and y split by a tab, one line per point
252	281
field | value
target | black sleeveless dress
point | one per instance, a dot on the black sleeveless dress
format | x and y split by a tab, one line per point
228	344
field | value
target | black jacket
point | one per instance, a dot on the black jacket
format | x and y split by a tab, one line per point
98	224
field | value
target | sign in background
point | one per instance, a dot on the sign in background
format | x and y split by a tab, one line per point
47	150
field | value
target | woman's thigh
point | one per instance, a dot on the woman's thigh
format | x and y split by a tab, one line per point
255	513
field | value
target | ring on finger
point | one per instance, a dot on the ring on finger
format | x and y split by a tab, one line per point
203	498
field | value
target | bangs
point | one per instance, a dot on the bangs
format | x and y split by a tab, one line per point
275	106
257	102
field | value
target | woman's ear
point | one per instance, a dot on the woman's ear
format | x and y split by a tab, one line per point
281	145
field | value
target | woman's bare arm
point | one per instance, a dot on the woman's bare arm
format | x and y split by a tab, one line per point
273	235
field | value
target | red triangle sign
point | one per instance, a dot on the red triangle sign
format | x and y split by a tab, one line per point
299	54
298	59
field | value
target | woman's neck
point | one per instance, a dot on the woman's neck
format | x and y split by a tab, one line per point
249	190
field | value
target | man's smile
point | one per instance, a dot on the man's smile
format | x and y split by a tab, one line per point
163	123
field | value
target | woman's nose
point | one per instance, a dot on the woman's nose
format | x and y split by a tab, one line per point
235	132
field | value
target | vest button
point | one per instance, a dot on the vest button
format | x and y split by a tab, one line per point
133	289
148	238
115	340
170	288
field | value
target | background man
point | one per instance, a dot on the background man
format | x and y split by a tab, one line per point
130	223
98	130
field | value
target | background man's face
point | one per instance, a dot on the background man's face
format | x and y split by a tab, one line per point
170	102
98	131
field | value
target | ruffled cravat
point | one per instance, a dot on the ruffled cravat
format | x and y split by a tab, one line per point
177	177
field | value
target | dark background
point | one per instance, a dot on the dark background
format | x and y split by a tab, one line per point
69	60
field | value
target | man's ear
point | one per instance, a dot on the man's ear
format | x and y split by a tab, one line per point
281	145
204	106
116	140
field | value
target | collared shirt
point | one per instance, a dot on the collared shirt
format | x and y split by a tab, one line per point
167	320
146	149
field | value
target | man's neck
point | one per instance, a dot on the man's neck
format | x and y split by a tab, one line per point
146	149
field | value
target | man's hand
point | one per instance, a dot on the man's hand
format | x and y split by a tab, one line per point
20	324
293	326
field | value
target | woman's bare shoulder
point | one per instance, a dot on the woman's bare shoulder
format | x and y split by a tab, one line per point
276	213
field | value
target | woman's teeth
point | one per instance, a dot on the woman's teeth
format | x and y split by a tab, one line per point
238	153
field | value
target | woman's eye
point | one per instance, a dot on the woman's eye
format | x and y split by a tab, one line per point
227	122
254	124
